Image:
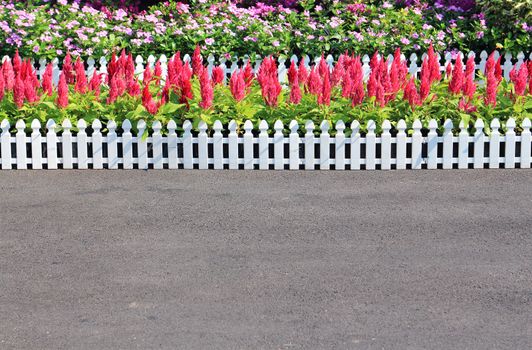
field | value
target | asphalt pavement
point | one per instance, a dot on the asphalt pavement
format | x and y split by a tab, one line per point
266	260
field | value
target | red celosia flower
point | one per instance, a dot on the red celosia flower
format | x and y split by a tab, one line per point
185	86
314	81
62	92
17	63
434	65
133	87
218	75
158	70
113	90
347	82
380	94
411	94
373	80
269	81
466	106
47	83
292	73
248	76
207	94
237	85
2	86
147	75
492	84
457	79
148	102
358	82
374	63
9	75
81	77
196	61
470	87
129	68
68	69
448	70
95	83
498	70
530	77
29	90
426	75
324	97
302	74
520	79
19	91
295	91
323	68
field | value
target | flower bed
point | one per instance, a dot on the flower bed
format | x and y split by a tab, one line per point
317	93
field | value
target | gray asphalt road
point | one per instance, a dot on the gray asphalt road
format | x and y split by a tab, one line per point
266	260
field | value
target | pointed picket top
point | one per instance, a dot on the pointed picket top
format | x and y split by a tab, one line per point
325	126
417	125
448	125
157	126
187	126
263	126
111	126
386	126
401	125
202	126
371	126
232	126
51	125
248	126
151	61
526	124
97	125
484	55
278	126
355	126
172	126
463	128
294	59
35	124
309	126
217	126
81	124
67	125
141	125
294	126
4	125
510	124
126	125
433	125
340	126
20	125
495	125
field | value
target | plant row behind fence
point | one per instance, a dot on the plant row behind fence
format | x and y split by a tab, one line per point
230	66
225	149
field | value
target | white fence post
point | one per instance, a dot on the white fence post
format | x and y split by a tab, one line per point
386	146
97	145
127	144
51	144
233	146
36	145
5	141
172	145
525	144
325	150
157	145
187	145
432	145
448	144
278	148
401	145
142	145
463	146
478	155
339	146
203	154
294	145
66	140
371	142
112	145
309	145
83	161
248	145
417	140
509	152
217	140
21	145
495	144
355	145
263	145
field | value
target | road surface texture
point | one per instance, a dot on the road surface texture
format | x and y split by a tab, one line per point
266	260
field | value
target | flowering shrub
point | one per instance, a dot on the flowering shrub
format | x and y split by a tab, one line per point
318	93
42	29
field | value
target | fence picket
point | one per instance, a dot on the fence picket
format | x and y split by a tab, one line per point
325	149
248	145
371	145
309	145
172	145
112	145
51	144
401	145
263	146
127	144
478	153
157	145
218	145
432	145
526	145
355	145
448	144
340	145
494	148
233	145
386	146
463	146
203	150
66	140
36	145
97	145
5	141
509	151
187	145
417	139
21	145
278	148
294	145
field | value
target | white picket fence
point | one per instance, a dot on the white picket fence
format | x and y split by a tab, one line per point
414	64
211	149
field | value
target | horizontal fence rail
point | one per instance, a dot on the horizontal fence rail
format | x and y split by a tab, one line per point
231	65
312	147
